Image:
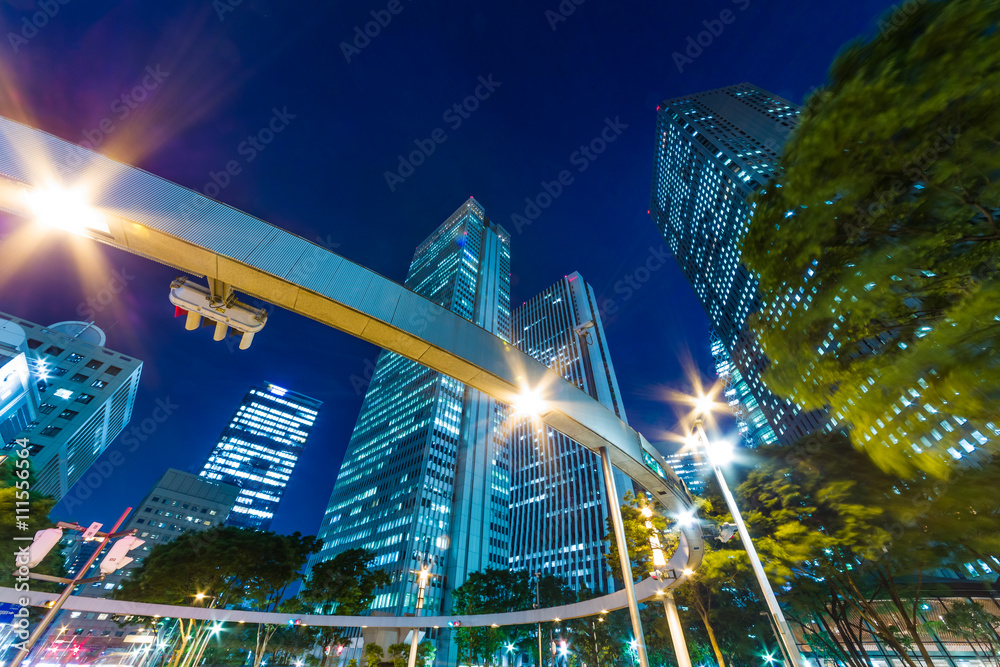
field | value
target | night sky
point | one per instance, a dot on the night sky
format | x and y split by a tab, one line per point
200	78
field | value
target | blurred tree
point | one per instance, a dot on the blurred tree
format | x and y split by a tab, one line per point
970	621
637	537
858	545
878	247
344	585
17	478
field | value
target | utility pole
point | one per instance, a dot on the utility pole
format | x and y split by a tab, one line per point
424	574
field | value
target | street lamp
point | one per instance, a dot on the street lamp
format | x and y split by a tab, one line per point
720	453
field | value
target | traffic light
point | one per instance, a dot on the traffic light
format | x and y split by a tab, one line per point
117	558
42	545
91	532
454	624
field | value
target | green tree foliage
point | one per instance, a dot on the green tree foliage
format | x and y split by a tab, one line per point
343	585
373	654
637	538
17	479
857	545
882	234
970	621
399	653
234	565
487	592
426	652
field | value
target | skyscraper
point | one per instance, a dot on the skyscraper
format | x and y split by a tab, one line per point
713	151
258	450
79	395
426	476
558	498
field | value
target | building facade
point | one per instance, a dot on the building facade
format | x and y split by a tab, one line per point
18	395
692	466
84	393
713	151
426	477
258	450
558	515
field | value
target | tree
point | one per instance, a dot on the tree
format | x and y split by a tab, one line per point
500	591
234	565
637	537
878	247
399	654
344	585
426	652
856	544
971	622
16	484
373	654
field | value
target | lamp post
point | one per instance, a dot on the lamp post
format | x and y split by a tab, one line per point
718	459
424	574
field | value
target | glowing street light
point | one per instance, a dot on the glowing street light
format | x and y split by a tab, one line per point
529	403
720	453
62	208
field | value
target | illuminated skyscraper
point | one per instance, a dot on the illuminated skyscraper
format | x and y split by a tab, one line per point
76	398
558	498
258	450
426	476
713	151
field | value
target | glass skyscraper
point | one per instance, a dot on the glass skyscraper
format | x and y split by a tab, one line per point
713	151
426	476
558	498
258	450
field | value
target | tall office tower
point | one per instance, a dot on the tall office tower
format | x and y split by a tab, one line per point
178	503
692	467
258	450
84	394
558	515
713	151
425	480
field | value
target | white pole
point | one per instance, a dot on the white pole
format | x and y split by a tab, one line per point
412	661
676	631
614	508
785	635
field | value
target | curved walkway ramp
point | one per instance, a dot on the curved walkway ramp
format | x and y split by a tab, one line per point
644	590
164	222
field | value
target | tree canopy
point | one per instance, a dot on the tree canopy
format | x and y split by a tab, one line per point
878	247
343	585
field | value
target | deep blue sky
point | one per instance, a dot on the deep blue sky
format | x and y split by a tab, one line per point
226	66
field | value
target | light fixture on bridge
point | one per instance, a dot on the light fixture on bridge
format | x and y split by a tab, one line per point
55	206
529	403
218	304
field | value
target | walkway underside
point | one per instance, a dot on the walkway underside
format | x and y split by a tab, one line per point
167	223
